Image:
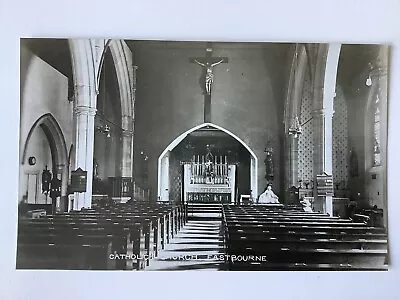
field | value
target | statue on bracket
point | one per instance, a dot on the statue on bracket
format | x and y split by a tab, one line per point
269	165
95	168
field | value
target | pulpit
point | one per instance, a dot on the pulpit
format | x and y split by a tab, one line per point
209	179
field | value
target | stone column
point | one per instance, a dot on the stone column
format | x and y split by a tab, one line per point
63	205
324	93
322	127
294	154
127	147
84	141
291	161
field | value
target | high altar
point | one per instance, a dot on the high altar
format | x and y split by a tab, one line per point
209	179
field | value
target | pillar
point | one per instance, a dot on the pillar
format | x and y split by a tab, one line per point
84	141
127	147
294	158
63	205
322	130
322	119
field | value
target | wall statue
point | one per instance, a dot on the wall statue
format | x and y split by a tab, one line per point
269	166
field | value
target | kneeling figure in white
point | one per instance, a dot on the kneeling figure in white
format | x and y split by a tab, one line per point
268	197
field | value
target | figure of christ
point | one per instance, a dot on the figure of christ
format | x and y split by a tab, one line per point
209	76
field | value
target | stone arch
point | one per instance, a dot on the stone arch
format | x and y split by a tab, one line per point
163	159
123	65
56	138
58	149
87	60
123	68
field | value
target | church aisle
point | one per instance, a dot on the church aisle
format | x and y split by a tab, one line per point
193	248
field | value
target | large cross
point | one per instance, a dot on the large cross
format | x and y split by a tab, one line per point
208	63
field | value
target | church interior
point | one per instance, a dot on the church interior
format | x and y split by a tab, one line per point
169	155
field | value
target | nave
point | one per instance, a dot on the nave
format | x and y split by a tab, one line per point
196	247
159	237
139	161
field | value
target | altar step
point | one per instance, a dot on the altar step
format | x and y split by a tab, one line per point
209	211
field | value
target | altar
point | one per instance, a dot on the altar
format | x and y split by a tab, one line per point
209	179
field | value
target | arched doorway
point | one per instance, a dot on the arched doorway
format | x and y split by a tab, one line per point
172	155
44	149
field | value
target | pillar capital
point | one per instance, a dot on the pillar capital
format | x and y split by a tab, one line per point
85	110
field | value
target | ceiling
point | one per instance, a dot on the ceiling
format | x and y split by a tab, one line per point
53	51
56	53
353	61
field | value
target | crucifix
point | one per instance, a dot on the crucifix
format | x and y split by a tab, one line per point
208	63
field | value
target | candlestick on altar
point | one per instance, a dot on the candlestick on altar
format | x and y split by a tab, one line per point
197	165
220	167
226	166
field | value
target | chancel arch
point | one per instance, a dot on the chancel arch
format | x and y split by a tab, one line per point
165	159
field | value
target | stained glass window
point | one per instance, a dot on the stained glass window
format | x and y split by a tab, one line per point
377	134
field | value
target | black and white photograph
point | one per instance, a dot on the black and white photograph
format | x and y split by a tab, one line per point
204	155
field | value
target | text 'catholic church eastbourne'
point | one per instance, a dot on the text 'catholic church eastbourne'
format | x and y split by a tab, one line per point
214	257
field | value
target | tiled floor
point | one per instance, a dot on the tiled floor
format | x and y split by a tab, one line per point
195	247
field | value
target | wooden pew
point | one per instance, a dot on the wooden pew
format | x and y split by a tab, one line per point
268	266
283	235
167	211
68	256
171	220
62	249
300	241
149	228
131	234
158	219
355	257
146	223
242	242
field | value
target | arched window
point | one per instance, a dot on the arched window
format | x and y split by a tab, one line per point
377	134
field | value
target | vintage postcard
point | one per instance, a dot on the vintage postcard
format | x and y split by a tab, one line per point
148	155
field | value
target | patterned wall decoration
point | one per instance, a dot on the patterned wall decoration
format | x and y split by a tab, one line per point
175	178
305	140
340	141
